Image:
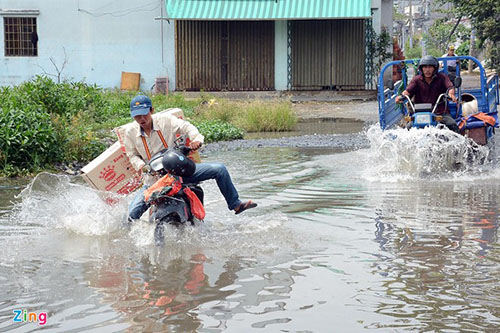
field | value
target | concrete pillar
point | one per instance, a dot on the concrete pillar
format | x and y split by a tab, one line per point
280	55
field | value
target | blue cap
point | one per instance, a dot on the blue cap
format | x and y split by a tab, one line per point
140	106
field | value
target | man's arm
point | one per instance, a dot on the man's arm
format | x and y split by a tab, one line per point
450	88
451	93
409	91
190	130
132	153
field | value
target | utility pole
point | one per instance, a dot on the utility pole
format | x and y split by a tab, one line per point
472	48
424	18
411	24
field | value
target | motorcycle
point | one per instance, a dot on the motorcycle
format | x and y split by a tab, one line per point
423	114
171	200
478	123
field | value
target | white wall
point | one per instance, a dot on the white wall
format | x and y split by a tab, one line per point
101	39
382	15
386	14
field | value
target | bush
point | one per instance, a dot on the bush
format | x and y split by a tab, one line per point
28	138
162	102
43	122
218	130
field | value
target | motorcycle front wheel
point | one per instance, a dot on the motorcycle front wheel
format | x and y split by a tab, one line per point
160	228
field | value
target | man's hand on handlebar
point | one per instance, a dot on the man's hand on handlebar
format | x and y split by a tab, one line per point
195	145
401	98
452	97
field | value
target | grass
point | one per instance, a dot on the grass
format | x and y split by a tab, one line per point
252	116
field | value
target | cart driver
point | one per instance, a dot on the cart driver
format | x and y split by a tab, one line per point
428	85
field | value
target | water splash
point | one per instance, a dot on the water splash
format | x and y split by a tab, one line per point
53	201
401	154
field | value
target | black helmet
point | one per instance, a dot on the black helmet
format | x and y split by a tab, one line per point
428	61
178	164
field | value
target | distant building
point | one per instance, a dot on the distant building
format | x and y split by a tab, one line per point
423	14
196	44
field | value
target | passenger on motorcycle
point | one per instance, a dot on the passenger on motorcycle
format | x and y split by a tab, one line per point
428	85
153	133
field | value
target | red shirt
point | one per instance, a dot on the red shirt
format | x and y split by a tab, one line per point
429	93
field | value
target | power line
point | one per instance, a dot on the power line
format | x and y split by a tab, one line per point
125	12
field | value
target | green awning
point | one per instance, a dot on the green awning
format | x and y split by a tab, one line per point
267	9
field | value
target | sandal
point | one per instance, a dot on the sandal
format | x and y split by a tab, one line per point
244	206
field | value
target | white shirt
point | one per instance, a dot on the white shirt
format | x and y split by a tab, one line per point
450	63
169	126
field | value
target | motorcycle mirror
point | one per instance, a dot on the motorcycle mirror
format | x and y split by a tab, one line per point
458	82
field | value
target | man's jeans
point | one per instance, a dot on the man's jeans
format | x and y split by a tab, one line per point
204	171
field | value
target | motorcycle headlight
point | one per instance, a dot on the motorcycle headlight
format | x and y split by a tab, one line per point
422	118
156	165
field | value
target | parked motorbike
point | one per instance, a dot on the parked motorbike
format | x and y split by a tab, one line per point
171	200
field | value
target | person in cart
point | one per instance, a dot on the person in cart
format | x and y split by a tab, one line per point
451	64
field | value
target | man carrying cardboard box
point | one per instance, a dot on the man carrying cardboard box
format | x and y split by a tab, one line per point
152	133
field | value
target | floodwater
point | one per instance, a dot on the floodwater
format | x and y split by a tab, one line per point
315	126
398	236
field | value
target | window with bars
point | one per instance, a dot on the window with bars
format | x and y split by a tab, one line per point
20	36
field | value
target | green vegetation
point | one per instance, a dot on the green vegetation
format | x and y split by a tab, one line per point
445	32
43	123
256	116
484	16
378	47
413	52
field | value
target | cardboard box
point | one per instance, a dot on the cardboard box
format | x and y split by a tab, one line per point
130	81
112	171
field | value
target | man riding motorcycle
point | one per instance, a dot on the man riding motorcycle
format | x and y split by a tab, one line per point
427	86
152	134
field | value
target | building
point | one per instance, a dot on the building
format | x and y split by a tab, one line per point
196	44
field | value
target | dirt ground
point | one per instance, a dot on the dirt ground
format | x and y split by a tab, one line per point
366	111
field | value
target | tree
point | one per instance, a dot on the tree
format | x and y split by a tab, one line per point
485	18
444	32
380	49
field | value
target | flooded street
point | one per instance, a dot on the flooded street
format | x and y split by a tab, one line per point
398	235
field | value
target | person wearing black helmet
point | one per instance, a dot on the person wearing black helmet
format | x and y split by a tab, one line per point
153	133
428	85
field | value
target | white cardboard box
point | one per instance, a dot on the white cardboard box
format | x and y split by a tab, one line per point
112	171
